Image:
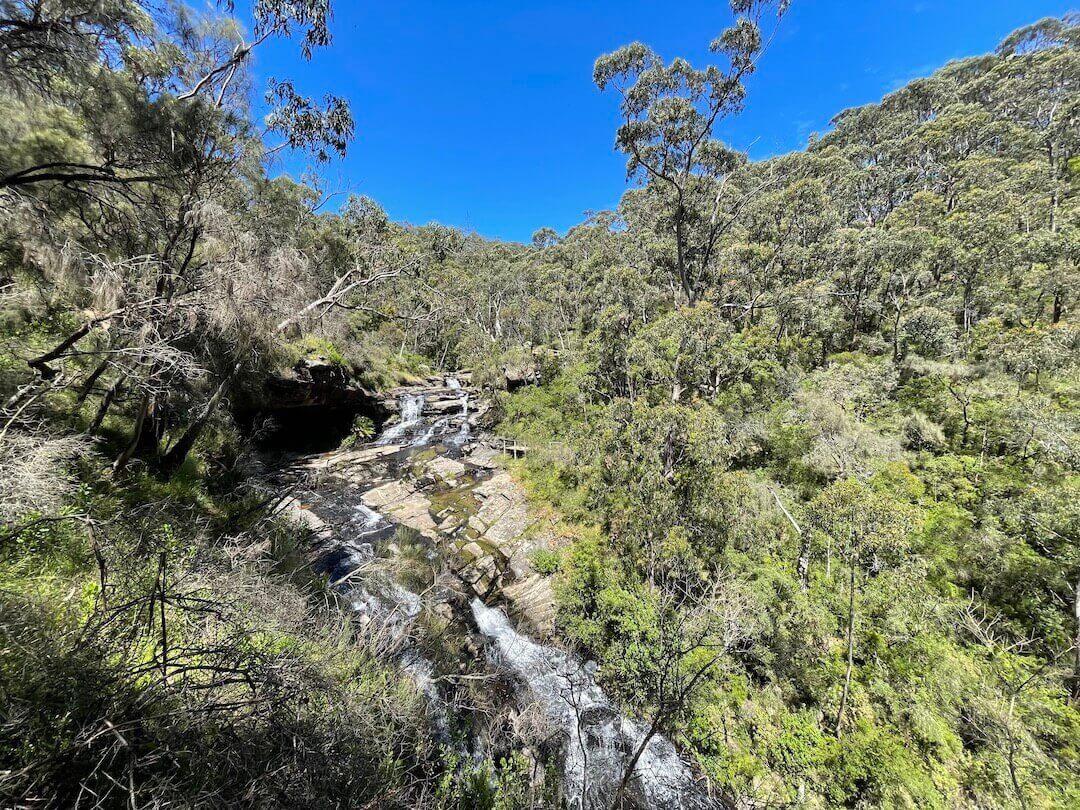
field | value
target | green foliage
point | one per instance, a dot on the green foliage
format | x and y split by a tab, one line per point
312	347
891	361
467	785
361	431
546	561
813	421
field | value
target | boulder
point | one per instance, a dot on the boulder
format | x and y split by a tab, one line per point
520	374
445	469
388	494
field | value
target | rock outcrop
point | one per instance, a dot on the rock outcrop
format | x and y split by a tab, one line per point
309	407
454	493
483	528
314	381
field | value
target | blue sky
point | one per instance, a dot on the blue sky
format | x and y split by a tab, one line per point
483	115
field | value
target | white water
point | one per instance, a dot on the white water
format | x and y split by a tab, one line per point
462	435
599	741
438	426
412	406
367	520
412	422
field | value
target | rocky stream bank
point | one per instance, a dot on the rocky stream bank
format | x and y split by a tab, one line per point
424	534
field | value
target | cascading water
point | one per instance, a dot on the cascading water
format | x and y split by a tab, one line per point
368	521
599	742
438	426
462	434
412	408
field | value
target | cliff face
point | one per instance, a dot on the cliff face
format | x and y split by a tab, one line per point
315	382
311	407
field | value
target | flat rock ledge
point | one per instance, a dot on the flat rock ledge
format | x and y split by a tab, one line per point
483	527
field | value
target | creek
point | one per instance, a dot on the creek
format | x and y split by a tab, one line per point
395	526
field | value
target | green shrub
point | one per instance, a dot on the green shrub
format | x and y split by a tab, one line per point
546	561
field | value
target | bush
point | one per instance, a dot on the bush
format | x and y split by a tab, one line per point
546	561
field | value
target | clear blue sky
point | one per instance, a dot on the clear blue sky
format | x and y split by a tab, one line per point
483	115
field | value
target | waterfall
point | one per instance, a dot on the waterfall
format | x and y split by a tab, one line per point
462	435
598	740
595	741
439	426
412	408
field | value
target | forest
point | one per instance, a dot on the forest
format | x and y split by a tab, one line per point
804	434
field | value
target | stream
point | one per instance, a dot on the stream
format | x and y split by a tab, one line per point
401	582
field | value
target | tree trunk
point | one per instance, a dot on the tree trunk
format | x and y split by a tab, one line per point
40	364
106	403
1014	777
179	451
88	386
850	652
1076	613
804	565
896	337
140	420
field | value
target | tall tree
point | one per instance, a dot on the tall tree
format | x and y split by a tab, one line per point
671	112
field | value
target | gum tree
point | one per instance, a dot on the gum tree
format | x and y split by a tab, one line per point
671	111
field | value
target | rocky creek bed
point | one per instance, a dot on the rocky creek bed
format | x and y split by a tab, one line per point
426	537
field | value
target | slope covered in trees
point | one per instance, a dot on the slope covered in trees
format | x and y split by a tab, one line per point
810	425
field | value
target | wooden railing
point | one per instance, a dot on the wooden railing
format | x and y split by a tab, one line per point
510	446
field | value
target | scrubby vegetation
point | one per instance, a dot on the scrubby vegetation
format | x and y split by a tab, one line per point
811	422
841	383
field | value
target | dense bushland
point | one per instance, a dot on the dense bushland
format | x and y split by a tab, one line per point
161	641
866	424
817	419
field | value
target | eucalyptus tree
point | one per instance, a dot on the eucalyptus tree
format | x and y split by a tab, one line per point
1037	85
44	40
545	237
671	112
681	354
776	250
869	527
904	254
64	47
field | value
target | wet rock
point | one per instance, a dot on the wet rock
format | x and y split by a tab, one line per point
451	403
441	498
342	460
533	598
425	481
294	510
